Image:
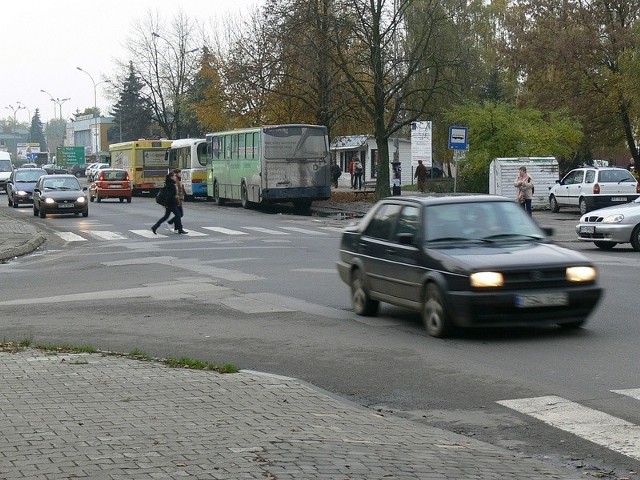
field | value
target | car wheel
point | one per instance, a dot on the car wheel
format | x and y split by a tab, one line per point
635	238
244	196
605	245
583	206
216	195
301	206
434	315
360	300
42	213
553	204
128	199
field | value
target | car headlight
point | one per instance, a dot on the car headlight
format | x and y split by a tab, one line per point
49	200
581	274
21	193
80	200
615	218
487	279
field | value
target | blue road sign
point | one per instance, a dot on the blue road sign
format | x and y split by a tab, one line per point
31	156
458	139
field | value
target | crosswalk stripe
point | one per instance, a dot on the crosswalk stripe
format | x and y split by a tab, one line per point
630	392
226	231
266	230
333	229
147	234
70	237
598	427
105	235
304	230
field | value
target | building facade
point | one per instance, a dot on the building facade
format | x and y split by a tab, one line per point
91	133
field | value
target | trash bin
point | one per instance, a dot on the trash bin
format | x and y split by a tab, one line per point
397	170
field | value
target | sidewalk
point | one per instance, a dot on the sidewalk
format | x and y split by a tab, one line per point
99	416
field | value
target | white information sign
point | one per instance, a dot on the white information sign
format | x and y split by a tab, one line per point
421	139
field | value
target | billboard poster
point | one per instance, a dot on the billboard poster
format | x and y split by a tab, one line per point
22	149
421	148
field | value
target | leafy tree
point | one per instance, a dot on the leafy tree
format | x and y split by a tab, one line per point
55	131
36	132
503	130
132	113
394	60
580	56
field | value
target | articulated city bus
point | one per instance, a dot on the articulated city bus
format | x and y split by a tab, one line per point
270	164
145	160
190	156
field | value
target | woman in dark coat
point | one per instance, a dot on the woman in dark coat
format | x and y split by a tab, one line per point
172	205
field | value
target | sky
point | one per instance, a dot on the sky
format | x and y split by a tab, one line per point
43	41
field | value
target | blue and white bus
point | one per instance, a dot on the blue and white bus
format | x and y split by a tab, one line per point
190	156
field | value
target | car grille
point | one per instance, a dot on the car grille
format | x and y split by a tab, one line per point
535	279
593	219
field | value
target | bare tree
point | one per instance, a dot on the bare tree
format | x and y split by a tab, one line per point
166	61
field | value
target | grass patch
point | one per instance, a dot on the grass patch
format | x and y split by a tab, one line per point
136	354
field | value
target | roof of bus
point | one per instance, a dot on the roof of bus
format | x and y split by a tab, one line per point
141	143
183	142
256	129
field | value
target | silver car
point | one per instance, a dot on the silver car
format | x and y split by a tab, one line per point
610	226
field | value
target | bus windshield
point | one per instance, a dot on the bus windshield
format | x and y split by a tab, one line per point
295	142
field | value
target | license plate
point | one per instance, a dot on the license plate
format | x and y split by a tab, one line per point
115	186
65	205
618	199
532	300
587	229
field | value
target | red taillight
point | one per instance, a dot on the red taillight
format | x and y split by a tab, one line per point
596	188
638	187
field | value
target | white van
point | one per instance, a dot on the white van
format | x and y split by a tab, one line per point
6	167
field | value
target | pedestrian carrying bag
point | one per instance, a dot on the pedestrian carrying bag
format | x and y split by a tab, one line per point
162	198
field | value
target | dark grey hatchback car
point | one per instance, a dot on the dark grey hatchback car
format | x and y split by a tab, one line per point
472	261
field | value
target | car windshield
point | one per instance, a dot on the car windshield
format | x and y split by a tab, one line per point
5	166
29	176
479	222
62	184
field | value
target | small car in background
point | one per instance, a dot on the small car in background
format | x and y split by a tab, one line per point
21	184
91	172
469	261
610	226
589	188
59	194
111	183
78	169
52	169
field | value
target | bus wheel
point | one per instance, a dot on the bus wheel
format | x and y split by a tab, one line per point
216	194
244	196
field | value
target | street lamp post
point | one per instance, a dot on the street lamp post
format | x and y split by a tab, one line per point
95	111
29	121
14	110
52	100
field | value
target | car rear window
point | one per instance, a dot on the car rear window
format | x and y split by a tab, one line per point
117	176
29	176
615	176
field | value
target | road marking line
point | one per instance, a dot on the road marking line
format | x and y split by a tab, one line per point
147	234
600	428
266	230
630	392
304	230
225	231
105	235
70	237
